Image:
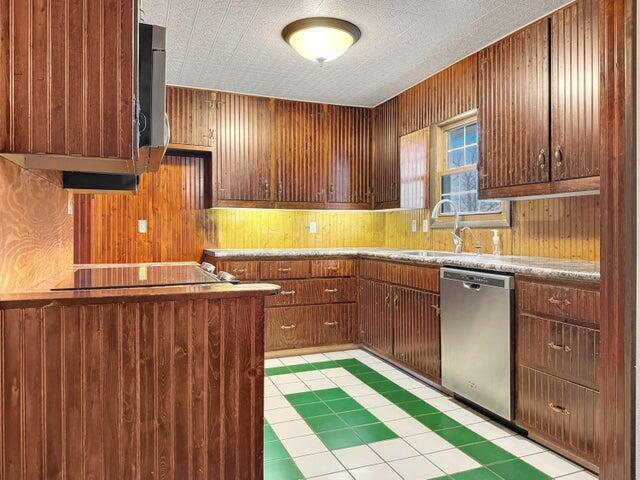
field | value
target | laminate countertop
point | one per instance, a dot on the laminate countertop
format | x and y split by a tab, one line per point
551	268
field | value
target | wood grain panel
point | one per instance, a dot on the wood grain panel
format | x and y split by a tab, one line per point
66	86
386	154
36	239
242	270
133	390
314	291
171	200
513	114
575	91
562	412
560	349
416	327
191	115
413	276
376	324
414	169
243	160
300	147
349	160
282	269
333	268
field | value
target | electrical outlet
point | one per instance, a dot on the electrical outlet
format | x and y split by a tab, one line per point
414	226
142	226
425	225
313	227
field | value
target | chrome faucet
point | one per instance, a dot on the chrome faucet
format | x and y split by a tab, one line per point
477	244
457	239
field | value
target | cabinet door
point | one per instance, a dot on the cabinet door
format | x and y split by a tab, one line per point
376	329
513	114
299	152
386	160
191	116
416	328
575	91
243	147
349	158
414	169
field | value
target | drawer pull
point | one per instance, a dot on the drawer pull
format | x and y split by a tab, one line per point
239	270
288	292
331	324
288	327
332	267
559	303
558	409
331	290
436	308
287	269
555	346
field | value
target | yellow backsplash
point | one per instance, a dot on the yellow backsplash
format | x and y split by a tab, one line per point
558	228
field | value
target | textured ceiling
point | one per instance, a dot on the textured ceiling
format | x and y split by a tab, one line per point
235	45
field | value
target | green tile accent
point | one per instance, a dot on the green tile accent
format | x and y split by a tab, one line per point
274	451
347	362
386	386
371	377
331	394
460	436
358	417
336	439
487	453
269	434
344	405
374	433
268	372
437	421
325	423
355	369
475	474
302	398
417	407
326	364
302	367
284	469
518	470
309	410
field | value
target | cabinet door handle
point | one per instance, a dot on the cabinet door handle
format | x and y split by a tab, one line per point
542	159
395	301
555	346
558	409
288	327
386	299
436	308
239	270
558	156
331	290
288	292
331	324
288	269
332	268
559	302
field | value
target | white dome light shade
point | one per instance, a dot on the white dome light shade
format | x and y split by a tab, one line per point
321	39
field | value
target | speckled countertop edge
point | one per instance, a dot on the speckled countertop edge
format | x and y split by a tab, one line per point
577	270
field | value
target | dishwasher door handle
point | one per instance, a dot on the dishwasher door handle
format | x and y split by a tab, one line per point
472	286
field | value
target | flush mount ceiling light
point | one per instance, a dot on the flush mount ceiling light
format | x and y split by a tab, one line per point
321	39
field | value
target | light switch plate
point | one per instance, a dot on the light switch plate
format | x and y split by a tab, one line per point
313	227
142	226
425	225
414	226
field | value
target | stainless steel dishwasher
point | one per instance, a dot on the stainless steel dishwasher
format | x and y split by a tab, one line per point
476	334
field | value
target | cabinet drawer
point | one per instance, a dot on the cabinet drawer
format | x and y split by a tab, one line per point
276	269
242	270
413	276
332	268
561	349
308	326
571	304
560	411
314	291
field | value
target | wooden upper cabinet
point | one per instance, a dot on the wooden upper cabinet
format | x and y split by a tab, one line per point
66	88
575	91
414	169
242	159
191	115
513	114
299	145
349	161
386	162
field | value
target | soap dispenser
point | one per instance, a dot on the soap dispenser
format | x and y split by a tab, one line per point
497	247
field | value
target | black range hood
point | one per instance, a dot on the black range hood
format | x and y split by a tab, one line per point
83	182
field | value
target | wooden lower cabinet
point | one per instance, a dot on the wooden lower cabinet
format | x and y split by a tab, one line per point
376	323
314	291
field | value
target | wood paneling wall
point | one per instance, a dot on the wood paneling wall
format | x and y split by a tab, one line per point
171	200
133	390
66	82
36	232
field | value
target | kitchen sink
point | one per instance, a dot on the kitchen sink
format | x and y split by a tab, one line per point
431	253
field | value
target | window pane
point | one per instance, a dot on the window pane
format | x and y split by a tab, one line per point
455	158
489	206
455	138
471	134
471	155
462	190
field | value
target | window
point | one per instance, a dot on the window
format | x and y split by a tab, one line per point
456	176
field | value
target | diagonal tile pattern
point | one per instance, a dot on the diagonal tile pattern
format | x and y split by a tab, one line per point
348	415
